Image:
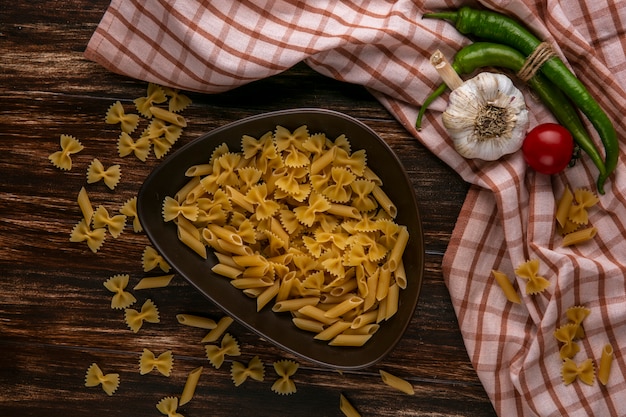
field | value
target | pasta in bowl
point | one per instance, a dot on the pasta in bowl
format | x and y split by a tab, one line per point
300	224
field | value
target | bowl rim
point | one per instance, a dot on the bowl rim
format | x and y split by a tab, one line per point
417	241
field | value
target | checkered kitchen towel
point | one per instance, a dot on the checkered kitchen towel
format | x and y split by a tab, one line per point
508	217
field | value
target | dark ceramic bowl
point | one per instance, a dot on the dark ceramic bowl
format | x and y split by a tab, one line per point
169	177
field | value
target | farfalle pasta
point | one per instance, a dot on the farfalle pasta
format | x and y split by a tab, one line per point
285	369
177	100
216	354
69	146
140	148
566	335
240	373
529	271
82	232
116	114
168	406
585	371
114	224
151	259
135	319
296	220
154	95
129	209
117	285
163	363
95	377
111	175
572	216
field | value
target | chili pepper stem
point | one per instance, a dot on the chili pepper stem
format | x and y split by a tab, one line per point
445	70
450	15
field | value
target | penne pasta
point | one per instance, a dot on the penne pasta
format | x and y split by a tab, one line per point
506	286
354	340
563	206
385	202
395	257
333	330
196	321
343	307
297	221
294	304
154	282
227	271
396	382
606	359
579	236
190	386
347	408
219	329
168	116
308	325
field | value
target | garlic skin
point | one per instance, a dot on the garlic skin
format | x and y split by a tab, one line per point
486	117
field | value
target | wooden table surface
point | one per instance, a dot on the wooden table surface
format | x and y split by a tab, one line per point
55	315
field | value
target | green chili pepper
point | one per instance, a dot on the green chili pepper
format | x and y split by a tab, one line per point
486	54
496	27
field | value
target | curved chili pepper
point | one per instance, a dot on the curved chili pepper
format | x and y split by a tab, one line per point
496	27
487	54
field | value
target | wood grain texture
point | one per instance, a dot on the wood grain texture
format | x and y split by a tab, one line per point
55	315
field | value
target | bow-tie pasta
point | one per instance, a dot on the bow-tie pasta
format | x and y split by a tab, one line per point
298	220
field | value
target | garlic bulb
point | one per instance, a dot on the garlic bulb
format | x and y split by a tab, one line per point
486	117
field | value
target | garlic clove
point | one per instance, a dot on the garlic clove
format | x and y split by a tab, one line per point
486	117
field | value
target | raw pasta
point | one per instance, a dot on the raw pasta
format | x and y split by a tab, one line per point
566	335
96	172
228	347
163	363
129	209
117	284
606	360
151	259
529	270
177	101
190	385
140	148
347	408
576	315
296	220
571	371
154	282
506	286
116	114
83	233
285	369
169	406
240	373
154	95
95	377
215	333
115	224
572	216
85	205
69	145
168	116
396	382
196	321
134	319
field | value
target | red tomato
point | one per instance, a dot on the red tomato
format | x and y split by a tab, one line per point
548	148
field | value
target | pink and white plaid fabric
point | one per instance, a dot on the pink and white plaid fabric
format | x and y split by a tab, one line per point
508	216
